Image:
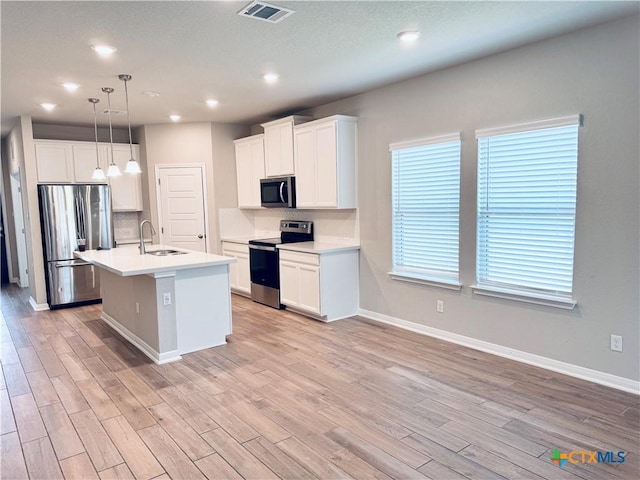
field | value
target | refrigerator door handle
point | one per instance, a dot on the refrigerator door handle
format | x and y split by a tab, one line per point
65	265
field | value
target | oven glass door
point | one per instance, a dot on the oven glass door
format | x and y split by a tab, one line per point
263	263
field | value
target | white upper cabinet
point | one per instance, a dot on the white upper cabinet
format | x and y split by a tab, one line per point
61	161
278	145
54	161
249	170
126	189
84	162
325	163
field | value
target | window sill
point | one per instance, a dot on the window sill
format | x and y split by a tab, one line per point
527	297
425	280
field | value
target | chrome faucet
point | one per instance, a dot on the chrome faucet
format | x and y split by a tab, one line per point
153	232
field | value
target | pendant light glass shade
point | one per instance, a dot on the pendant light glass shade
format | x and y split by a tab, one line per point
98	173
113	170
132	165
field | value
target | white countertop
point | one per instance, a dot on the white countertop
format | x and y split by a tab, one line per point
244	239
128	261
319	247
132	241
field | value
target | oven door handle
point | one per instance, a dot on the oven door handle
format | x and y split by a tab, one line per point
261	247
282	193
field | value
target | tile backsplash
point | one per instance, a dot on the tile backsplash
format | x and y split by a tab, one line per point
328	224
235	222
125	226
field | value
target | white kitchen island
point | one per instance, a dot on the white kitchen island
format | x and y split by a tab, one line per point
166	306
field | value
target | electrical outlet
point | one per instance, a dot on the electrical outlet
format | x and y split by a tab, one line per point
440	306
166	298
616	343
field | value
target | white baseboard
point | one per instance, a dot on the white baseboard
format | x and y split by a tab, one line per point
595	376
143	346
38	307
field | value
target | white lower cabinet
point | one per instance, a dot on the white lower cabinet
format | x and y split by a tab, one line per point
321	285
239	273
300	281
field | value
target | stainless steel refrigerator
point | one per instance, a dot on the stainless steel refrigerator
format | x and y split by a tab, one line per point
70	214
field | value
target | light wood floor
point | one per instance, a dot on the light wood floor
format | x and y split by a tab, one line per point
289	397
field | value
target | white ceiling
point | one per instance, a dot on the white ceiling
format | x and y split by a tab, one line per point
192	50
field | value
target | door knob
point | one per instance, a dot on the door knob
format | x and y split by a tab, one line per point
200	236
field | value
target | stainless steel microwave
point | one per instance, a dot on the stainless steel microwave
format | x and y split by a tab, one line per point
278	192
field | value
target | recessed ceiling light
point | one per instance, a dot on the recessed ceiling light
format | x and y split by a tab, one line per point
103	50
175	118
70	86
271	77
409	36
48	106
212	102
150	93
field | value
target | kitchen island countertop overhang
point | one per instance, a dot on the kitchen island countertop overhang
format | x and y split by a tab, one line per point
166	306
127	261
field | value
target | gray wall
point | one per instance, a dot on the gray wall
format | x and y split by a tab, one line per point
224	163
46	131
21	138
11	254
594	72
189	143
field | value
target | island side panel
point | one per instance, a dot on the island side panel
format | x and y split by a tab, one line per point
203	307
150	325
164	320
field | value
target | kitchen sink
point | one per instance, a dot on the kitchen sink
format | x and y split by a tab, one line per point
165	253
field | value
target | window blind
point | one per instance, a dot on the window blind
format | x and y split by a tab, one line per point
526	209
426	205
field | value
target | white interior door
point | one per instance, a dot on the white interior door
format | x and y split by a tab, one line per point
181	207
18	221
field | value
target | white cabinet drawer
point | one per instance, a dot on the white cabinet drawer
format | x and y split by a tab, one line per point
299	257
235	247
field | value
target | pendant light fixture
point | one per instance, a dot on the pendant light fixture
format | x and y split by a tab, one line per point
132	165
98	173
113	170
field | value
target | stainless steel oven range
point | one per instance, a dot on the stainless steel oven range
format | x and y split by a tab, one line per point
264	260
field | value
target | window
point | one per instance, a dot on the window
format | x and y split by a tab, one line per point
426	210
526	211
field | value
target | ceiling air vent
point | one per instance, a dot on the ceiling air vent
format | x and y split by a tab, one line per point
265	11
